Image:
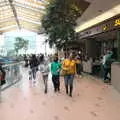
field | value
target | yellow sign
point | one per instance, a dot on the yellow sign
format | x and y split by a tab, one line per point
117	22
105	28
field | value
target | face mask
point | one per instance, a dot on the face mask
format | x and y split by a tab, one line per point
55	60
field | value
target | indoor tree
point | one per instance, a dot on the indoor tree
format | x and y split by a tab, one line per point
20	43
59	22
25	47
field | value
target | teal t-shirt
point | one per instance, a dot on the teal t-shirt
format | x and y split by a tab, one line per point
108	60
55	68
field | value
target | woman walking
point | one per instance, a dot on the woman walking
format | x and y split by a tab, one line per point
69	68
78	66
34	66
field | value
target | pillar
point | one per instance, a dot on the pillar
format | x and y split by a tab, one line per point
91	47
118	43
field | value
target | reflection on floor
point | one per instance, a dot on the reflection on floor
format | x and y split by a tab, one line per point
92	100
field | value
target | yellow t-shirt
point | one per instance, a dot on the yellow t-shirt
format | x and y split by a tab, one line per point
78	61
69	66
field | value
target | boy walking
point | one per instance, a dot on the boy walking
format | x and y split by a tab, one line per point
55	70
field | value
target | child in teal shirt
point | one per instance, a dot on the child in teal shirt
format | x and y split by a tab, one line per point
55	70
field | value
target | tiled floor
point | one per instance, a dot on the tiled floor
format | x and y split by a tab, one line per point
92	100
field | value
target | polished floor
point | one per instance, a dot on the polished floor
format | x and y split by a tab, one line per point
92	100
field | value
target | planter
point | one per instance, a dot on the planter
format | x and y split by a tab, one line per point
115	75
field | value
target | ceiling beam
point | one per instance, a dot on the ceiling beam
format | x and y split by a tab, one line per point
30	29
28	7
5	16
28	12
8	24
8	19
3	3
36	19
38	2
30	21
8	27
14	12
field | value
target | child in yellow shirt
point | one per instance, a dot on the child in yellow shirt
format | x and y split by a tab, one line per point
69	68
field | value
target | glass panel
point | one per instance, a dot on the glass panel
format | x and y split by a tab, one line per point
12	74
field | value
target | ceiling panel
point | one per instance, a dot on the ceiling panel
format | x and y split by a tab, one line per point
3	3
96	8
7	19
7	23
24	13
8	28
25	23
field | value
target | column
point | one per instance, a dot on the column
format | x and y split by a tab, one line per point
118	43
91	47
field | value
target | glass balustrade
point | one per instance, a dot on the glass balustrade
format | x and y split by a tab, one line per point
13	74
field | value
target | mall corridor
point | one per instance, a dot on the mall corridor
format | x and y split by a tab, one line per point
92	100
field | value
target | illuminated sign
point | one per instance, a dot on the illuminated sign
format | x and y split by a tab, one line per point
117	22
105	27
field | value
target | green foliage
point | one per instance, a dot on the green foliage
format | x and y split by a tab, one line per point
59	22
20	44
11	53
25	47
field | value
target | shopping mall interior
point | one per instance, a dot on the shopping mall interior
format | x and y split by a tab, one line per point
59	59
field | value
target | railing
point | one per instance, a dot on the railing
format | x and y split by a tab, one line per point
13	75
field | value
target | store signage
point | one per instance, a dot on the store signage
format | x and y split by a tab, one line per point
103	27
117	22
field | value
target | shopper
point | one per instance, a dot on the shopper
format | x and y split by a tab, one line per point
55	70
78	66
107	66
34	66
69	68
2	75
26	61
44	69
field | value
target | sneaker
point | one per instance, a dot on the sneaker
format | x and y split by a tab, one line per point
55	90
70	95
45	91
106	81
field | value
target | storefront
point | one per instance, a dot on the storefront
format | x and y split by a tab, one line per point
101	37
